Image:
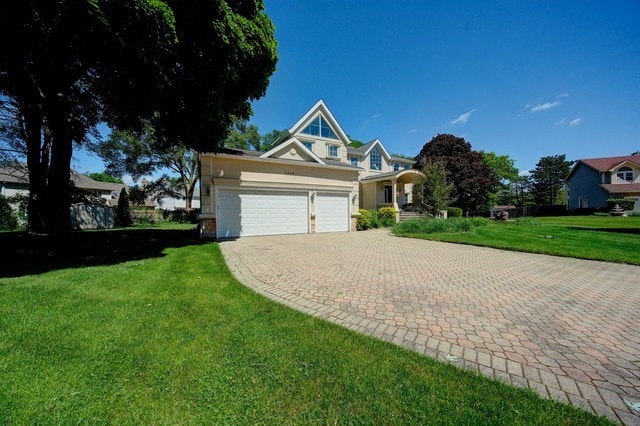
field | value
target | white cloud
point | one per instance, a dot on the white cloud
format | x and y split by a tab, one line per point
371	119
562	95
463	119
413	130
561	122
575	122
545	106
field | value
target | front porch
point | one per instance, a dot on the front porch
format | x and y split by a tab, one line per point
393	190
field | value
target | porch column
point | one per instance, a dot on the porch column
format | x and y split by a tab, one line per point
394	198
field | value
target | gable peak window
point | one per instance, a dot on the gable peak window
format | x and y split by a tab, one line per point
375	160
319	127
625	174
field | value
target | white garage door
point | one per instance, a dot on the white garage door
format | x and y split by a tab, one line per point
332	212
244	213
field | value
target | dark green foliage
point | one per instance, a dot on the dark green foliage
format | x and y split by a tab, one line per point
182	215
8	217
123	210
548	179
432	191
363	222
104	177
269	140
454	212
624	203
137	195
184	68
473	180
243	136
355	143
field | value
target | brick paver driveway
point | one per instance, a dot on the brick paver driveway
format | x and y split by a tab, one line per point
567	328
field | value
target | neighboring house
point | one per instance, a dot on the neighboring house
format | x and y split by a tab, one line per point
108	191
593	181
14	180
173	203
311	181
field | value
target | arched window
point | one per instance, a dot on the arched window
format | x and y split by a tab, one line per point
625	174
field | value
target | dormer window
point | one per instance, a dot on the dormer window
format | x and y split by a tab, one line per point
625	174
319	127
332	150
396	167
354	161
375	160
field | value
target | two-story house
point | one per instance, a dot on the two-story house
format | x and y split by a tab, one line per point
310	181
593	181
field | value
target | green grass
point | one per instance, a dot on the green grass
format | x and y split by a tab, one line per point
613	239
158	331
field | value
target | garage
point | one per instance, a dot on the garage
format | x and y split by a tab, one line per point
332	212
244	213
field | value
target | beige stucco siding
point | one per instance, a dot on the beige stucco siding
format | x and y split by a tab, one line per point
320	146
253	173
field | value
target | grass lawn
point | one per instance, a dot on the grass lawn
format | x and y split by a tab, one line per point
614	239
149	326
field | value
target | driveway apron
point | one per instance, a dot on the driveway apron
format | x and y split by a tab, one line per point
568	329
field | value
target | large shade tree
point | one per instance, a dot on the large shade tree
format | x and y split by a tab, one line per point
505	170
124	152
548	179
186	67
473	180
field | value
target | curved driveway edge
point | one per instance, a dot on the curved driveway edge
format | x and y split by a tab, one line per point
565	328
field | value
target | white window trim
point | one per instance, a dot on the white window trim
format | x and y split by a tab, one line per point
304	141
337	147
371	160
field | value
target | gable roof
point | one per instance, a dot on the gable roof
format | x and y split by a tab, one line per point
292	142
320	107
247	154
606	164
17	173
366	148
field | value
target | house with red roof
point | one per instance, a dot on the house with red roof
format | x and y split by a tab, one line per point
592	181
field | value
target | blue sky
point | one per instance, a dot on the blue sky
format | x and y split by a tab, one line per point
525	79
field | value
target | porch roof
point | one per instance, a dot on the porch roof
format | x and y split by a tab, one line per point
621	188
392	175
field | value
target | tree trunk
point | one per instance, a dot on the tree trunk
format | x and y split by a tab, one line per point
36	168
58	194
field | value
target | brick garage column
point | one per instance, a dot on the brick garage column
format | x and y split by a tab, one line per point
208	227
